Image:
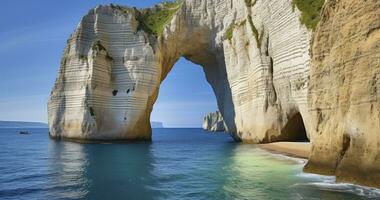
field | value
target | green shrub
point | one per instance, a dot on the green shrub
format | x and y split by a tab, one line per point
229	32
250	3
153	21
310	11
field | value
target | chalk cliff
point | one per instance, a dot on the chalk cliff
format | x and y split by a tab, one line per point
270	85
344	92
214	122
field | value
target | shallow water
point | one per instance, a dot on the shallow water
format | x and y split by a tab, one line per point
178	164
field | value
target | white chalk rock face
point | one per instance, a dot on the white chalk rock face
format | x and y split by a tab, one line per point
107	79
267	63
254	56
214	122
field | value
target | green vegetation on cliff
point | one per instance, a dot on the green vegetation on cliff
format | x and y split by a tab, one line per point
310	11
230	30
154	20
258	36
98	47
250	3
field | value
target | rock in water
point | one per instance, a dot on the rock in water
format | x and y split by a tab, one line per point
214	122
256	57
156	124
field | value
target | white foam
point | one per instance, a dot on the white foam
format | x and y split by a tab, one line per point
328	179
298	160
328	183
286	157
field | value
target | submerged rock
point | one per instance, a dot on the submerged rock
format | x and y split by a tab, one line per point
214	122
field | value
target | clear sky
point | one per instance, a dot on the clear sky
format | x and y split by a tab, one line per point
33	35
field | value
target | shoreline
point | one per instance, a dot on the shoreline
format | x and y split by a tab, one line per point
293	149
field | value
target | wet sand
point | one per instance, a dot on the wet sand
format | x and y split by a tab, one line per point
295	149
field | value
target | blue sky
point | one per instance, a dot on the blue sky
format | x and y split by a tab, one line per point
33	35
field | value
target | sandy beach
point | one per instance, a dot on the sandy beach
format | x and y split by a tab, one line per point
296	149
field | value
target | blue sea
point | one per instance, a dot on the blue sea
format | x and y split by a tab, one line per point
178	164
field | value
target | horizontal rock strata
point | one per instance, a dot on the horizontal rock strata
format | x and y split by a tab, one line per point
214	122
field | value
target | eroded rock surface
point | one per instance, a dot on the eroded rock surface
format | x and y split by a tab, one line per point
107	82
344	93
214	122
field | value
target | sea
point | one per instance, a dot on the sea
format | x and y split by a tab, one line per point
180	163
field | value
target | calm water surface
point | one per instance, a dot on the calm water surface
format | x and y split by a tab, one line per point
178	164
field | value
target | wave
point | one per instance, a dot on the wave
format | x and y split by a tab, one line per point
323	178
327	183
29	177
284	156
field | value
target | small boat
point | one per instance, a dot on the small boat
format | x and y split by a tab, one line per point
24	132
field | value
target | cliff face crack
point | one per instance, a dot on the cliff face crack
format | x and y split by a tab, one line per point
346	142
272	94
373	30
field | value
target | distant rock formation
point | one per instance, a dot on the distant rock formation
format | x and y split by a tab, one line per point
21	124
214	122
156	124
269	84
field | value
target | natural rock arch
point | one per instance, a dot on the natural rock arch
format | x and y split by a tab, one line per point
256	57
113	66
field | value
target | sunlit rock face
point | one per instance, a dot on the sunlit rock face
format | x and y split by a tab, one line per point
254	56
344	93
267	61
107	82
214	122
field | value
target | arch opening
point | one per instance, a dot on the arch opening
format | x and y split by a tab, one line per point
294	130
185	96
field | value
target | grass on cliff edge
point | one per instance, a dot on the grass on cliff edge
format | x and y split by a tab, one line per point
310	11
153	21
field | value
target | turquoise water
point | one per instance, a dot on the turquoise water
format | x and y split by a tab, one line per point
178	164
